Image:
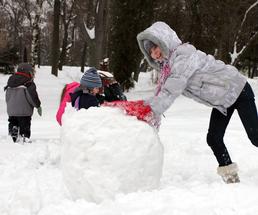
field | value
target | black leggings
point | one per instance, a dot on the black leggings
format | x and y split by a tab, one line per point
23	123
246	108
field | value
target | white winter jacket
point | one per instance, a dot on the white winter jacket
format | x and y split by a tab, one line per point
193	73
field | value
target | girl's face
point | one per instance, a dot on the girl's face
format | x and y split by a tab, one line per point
156	53
95	91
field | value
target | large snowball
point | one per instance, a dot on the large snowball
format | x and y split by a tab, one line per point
106	152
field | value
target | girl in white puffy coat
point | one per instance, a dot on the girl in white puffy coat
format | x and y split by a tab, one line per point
188	71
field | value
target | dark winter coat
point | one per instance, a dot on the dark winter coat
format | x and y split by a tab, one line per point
86	99
113	92
21	95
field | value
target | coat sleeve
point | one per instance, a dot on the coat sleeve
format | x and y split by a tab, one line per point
32	95
182	70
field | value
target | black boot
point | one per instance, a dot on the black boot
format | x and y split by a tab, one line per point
14	133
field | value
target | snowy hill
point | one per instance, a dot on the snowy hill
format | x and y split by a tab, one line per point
31	180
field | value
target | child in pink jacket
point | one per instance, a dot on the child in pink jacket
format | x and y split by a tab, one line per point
69	88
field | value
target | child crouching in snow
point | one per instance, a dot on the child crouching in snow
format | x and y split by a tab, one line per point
85	95
21	98
188	71
110	91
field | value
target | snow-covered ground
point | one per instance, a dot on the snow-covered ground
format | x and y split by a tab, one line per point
31	180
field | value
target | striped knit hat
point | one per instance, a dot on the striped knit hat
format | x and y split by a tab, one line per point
91	79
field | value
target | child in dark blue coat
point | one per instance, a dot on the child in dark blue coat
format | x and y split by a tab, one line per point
85	95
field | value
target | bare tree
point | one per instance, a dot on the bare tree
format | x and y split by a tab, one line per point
93	25
125	55
101	29
67	16
15	26
55	38
253	35
83	58
35	45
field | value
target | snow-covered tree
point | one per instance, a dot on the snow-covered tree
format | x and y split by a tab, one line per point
248	32
55	38
94	25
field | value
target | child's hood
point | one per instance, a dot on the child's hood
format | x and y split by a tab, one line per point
163	36
71	86
77	92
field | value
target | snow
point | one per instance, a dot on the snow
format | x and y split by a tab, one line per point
31	180
105	74
111	155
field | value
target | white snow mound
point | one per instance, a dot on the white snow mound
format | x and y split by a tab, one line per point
106	152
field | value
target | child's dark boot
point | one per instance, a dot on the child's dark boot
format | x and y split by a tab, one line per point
14	133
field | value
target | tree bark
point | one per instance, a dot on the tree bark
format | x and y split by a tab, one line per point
35	44
67	16
39	50
25	55
55	38
83	60
247	46
100	30
62	59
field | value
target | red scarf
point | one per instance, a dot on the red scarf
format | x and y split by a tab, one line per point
24	74
165	72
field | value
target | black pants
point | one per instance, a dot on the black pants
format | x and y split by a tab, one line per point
247	112
22	122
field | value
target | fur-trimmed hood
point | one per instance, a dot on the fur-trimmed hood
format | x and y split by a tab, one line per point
163	36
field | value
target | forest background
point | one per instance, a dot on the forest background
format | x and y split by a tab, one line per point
84	32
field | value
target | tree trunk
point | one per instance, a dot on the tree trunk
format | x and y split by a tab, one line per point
35	41
249	68
55	38
66	17
83	56
35	45
142	68
25	55
39	51
247	46
100	30
20	48
62	59
90	23
254	69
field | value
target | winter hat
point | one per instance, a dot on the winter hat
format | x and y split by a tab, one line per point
147	44
25	68
91	79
